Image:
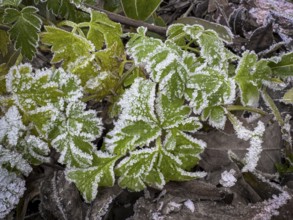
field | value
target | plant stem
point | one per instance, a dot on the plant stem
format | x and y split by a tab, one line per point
245	108
271	104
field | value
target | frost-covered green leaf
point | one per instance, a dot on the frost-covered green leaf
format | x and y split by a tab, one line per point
85	55
204	82
216	116
42	94
158	165
25	27
282	66
100	75
68	47
145	118
140	9
11	190
34	150
11	127
223	31
73	134
249	76
167	64
13	160
209	87
210	43
288	97
171	112
185	147
137	124
103	30
101	173
42	88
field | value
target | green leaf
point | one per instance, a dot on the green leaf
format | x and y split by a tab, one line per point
103	30
171	112
14	161
100	75
25	27
140	10
112	5
34	150
137	125
158	165
73	134
216	115
68	47
43	88
223	32
133	171
4	39
14	3
66	9
101	173
166	62
288	97
282	66
249	75
211	44
209	87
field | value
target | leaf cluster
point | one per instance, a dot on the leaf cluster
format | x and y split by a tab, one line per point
173	87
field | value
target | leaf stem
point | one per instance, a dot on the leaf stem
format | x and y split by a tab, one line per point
191	49
245	108
159	143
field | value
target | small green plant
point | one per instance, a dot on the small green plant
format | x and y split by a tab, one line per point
184	81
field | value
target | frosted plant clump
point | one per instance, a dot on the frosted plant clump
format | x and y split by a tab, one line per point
255	139
11	190
270	207
11	126
190	205
14	160
228	179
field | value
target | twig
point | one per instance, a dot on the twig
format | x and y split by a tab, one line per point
130	22
192	4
